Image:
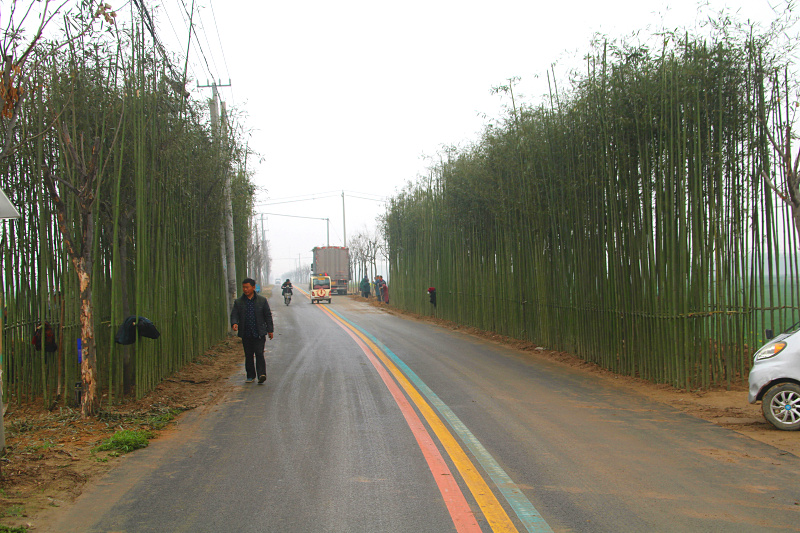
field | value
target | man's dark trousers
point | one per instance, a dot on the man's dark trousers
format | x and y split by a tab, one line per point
254	349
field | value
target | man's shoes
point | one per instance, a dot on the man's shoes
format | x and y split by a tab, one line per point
262	378
250	380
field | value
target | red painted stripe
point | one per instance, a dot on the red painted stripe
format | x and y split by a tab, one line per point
462	515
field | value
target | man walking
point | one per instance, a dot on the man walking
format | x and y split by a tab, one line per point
252	318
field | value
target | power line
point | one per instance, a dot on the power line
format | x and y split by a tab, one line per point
307	195
295	201
147	20
219	39
178	38
186	23
382	197
320	196
205	36
196	45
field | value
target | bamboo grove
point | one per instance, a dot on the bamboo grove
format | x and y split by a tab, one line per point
157	216
626	222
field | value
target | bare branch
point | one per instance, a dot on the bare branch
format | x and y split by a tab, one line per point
772	140
45	21
772	186
91	170
61	211
10	150
71	149
66	184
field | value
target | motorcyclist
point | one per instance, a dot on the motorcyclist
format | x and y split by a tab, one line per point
286	287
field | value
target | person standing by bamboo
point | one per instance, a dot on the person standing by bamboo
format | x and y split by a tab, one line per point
364	287
384	291
252	311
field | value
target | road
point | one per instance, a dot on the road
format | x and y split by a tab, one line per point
371	422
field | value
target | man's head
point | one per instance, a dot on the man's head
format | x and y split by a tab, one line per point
248	287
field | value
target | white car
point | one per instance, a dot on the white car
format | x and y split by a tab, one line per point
775	381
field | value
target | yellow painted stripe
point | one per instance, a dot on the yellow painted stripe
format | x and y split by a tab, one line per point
495	514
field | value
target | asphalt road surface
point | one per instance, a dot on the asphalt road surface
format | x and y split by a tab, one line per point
373	423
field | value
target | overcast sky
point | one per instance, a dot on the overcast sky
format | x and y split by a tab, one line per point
359	96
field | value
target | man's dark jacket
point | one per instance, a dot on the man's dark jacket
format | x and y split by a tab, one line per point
263	314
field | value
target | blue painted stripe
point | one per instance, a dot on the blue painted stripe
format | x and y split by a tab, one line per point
521	505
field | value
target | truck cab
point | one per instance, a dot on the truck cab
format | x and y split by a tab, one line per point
320	288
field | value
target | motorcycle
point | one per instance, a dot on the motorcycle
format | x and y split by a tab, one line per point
287	296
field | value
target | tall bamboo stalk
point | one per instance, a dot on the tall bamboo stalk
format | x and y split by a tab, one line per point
624	220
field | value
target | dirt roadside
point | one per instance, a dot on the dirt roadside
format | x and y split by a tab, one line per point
49	459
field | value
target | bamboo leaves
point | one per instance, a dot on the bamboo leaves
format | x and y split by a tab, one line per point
127	223
623	221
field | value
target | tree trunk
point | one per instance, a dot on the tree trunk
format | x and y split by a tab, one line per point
90	401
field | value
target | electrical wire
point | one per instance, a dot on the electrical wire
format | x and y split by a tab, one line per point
294	201
329	194
178	40
221	48
205	36
195	43
190	65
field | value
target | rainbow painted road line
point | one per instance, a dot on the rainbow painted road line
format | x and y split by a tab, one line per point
391	366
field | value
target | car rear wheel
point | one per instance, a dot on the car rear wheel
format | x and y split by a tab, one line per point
781	406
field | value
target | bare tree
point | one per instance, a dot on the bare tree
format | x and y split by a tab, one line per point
789	189
21	55
80	252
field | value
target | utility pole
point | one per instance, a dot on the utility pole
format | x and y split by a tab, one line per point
220	137
344	224
186	63
264	252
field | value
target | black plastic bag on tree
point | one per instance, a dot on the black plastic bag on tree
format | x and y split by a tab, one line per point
133	325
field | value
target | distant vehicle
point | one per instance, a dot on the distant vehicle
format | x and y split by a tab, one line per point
775	380
333	261
320	288
277	282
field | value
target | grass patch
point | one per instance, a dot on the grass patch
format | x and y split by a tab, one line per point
38	447
125	441
160	420
7	529
15	510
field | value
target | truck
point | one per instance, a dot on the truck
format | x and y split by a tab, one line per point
333	261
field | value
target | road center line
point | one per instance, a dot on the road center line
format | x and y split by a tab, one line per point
522	506
495	515
463	517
